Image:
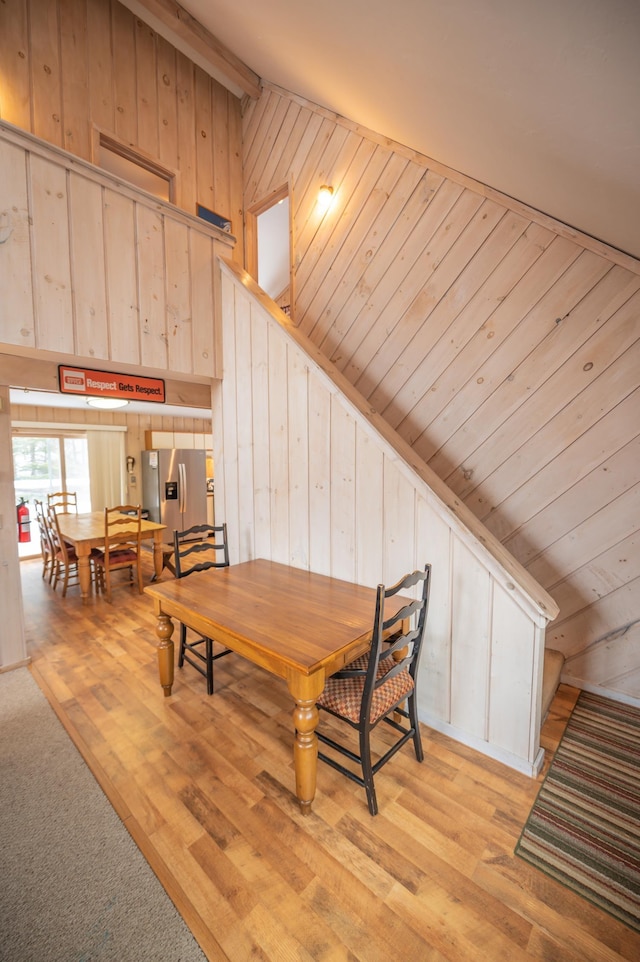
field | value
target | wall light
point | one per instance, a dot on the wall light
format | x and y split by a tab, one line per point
107	403
325	196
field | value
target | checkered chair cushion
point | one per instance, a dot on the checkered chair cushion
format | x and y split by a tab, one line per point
344	695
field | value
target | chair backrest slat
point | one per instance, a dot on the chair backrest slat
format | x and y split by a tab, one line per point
63	502
122	526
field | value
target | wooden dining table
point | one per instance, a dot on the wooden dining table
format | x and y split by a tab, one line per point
86	531
297	625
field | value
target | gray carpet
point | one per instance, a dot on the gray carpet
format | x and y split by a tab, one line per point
74	887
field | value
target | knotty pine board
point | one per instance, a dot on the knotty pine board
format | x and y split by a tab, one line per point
605	484
51	256
121	278
16	280
86	213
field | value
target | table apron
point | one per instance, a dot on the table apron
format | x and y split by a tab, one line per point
265	659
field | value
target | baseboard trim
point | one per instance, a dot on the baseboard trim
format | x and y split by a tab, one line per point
532	768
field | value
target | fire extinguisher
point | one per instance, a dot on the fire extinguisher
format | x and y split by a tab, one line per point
24	524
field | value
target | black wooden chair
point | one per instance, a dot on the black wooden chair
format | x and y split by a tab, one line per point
199	548
379	683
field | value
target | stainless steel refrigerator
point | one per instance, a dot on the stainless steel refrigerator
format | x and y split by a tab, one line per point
174	488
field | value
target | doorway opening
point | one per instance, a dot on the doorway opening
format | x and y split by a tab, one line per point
269	247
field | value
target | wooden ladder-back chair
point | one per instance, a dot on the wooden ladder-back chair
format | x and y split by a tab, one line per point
199	548
122	546
46	546
63	502
380	685
65	560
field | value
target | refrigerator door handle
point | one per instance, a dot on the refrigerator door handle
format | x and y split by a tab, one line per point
182	477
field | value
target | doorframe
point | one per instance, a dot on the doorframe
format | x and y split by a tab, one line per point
251	234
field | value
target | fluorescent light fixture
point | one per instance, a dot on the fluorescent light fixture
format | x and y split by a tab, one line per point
107	403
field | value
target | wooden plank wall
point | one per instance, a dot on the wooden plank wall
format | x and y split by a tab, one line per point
303	478
503	346
67	65
136	424
93	269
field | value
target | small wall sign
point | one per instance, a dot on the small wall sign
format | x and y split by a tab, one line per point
80	380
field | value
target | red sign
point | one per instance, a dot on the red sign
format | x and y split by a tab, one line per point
78	380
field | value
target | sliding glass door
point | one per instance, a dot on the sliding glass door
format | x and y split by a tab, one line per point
43	464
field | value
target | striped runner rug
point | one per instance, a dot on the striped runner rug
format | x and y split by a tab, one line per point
584	827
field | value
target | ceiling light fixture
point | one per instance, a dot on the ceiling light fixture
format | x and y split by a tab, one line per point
107	403
325	196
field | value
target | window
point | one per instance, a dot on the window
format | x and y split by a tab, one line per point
139	170
44	464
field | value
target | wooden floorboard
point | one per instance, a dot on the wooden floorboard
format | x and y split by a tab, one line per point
204	786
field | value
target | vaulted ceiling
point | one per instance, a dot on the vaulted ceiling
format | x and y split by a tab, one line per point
539	99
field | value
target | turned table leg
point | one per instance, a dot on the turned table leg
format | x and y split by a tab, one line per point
164	630
305	689
84	572
157	555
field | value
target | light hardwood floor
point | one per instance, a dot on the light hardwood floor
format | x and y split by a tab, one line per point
204	786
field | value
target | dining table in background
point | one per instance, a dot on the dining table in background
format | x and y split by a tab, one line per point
86	531
297	625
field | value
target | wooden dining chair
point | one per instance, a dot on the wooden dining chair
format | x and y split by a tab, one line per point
63	502
122	547
65	559
46	547
199	548
379	686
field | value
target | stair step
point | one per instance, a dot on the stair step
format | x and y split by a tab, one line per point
553	663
